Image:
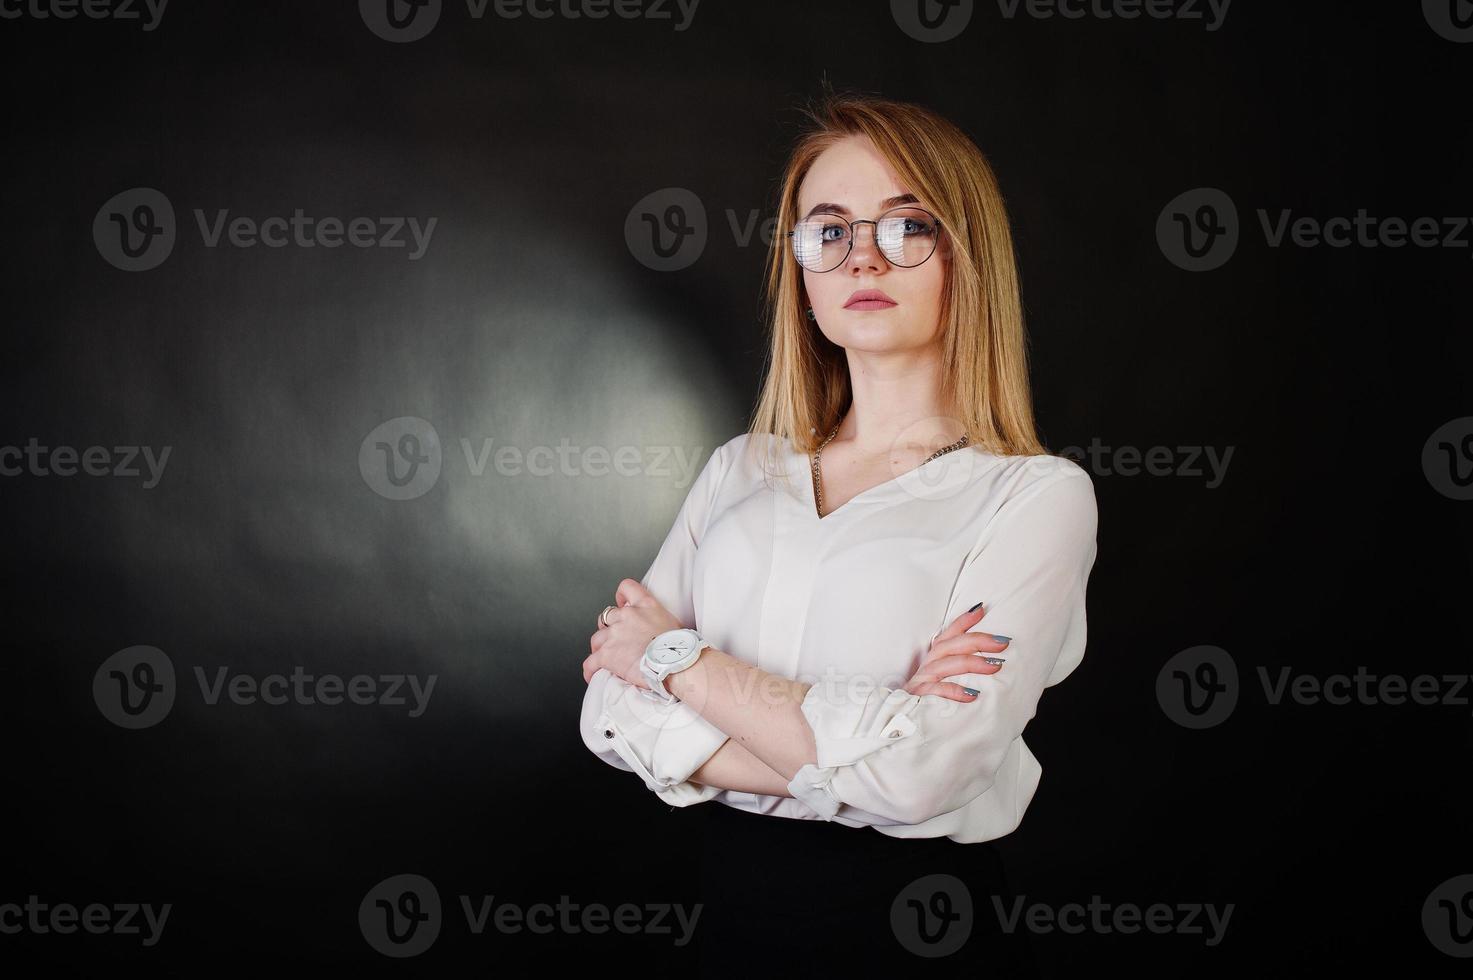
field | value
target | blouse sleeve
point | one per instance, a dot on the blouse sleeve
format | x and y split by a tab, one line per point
914	757
663	744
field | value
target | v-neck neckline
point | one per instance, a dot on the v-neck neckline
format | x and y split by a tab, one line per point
894	481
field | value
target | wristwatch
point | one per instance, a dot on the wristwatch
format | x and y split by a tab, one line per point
671	651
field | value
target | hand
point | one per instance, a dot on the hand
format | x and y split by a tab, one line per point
954	651
619	646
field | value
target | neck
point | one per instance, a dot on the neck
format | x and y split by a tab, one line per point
897	404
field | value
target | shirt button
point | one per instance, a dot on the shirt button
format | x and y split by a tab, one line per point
608	733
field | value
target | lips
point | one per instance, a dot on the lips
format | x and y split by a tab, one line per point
869	299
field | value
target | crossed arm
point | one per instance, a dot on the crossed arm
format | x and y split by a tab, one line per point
769	739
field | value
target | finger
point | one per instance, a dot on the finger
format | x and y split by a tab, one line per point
966	663
969	642
632	593
598	639
962	623
946	689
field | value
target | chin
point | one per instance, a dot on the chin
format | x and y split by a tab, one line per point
877	339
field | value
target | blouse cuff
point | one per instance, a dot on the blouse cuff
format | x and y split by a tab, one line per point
663	743
843	737
811	786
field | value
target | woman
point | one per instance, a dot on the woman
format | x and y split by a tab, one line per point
803	652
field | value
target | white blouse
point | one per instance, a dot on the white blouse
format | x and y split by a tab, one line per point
849	603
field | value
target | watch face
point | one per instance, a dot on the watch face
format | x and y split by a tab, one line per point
672	647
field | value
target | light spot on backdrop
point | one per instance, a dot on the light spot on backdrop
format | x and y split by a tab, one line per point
265	523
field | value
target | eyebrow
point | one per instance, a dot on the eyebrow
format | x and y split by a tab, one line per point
885	205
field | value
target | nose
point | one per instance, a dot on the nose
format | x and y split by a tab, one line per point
866	254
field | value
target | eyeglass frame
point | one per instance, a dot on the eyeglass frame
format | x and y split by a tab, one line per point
874	235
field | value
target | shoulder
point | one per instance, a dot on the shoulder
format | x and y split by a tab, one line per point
726	462
735	444
752	452
1047	484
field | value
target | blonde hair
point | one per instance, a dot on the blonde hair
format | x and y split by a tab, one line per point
806	386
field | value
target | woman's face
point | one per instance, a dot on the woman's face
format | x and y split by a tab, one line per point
851	179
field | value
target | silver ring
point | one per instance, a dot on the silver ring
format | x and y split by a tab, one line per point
602	621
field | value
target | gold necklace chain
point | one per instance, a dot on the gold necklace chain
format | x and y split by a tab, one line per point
818	476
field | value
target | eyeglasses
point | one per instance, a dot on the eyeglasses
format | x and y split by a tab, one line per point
906	236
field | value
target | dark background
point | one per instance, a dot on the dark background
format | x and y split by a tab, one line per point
529	320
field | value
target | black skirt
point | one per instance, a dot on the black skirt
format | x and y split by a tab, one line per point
815	894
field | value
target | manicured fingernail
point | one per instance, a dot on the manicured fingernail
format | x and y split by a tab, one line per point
1002	639
999	661
975	608
970	691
